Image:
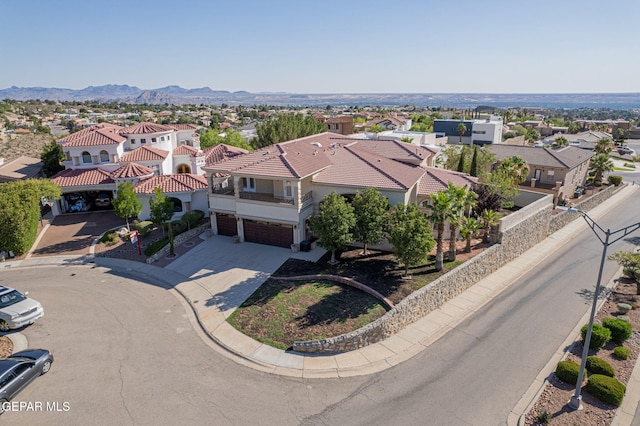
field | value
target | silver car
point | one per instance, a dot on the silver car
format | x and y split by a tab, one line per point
20	369
17	310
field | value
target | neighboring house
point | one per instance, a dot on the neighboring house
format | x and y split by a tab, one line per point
102	156
479	132
20	168
554	171
268	195
417	138
342	124
393	122
584	140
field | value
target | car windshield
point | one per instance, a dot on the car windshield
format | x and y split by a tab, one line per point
10	298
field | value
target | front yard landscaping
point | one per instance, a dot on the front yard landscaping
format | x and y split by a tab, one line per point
281	312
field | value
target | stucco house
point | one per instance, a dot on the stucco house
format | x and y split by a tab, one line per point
556	171
268	195
100	157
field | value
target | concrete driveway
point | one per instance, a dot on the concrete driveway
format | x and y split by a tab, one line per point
72	234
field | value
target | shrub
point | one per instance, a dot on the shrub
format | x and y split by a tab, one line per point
614	180
567	371
597	183
599	335
606	389
621	352
623	308
178	226
155	246
109	238
620	330
595	365
544	417
144	227
193	218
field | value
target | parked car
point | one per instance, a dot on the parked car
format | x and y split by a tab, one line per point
17	310
102	200
20	369
625	150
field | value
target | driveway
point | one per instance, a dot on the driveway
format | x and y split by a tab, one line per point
73	233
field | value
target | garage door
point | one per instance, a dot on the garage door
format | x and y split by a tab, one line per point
272	234
226	224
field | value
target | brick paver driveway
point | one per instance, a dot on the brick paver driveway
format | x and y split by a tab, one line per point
74	233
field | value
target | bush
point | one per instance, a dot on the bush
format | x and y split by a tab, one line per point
599	335
144	227
193	218
567	371
109	238
614	180
155	246
620	330
621	352
606	389
544	417
178	226
595	365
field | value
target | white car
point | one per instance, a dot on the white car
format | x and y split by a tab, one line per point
625	150
17	310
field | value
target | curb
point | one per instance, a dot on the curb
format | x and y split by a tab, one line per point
19	341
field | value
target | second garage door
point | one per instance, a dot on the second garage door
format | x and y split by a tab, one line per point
272	234
226	224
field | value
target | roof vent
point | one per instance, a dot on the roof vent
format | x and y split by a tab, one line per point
318	144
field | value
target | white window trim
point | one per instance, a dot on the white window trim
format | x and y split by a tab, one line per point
249	184
288	189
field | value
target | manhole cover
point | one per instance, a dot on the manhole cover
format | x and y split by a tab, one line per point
189	244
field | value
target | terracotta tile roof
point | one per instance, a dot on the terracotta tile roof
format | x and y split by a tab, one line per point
172	183
397	150
144	128
435	180
82	177
186	150
131	170
183	126
215	154
100	134
145	153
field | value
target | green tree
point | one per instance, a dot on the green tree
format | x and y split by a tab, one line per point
496	190
231	137
600	164
161	208
532	135
126	204
334	223
489	219
440	207
461	202
376	129
410	234
604	146
560	141
573	128
469	227
516	168
461	161
285	127
52	157
473	170
370	209
20	204
462	129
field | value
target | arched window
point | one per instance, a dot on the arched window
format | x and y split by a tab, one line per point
177	204
104	156
184	168
86	158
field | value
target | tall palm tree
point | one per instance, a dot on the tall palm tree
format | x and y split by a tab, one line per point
462	129
604	146
600	164
469	226
516	168
457	195
489	219
440	207
560	141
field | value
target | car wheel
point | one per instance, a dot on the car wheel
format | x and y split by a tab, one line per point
46	366
4	326
3	402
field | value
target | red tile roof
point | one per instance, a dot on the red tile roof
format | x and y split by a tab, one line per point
145	153
217	153
100	134
82	177
182	126
144	128
436	180
131	170
186	150
172	183
397	150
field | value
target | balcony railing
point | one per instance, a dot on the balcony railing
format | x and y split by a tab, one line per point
228	190
265	197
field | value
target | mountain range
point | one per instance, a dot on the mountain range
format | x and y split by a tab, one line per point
177	95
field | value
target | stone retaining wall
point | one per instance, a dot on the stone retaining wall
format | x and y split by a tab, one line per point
535	225
187	235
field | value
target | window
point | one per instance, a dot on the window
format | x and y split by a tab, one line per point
143	141
154	140
288	189
86	157
104	156
249	184
156	169
133	141
184	168
67	156
550	174
479	132
168	137
161	138
177	204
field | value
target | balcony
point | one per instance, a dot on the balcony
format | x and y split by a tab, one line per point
265	197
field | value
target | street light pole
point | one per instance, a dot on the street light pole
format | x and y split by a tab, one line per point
576	399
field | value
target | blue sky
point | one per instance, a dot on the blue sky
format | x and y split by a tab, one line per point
347	46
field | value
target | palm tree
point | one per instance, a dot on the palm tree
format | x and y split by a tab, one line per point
457	195
516	168
462	129
604	146
469	226
560	141
600	164
489	219
440	207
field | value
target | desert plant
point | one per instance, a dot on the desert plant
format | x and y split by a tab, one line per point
109	238
606	389
544	417
144	227
620	330
179	226
599	335
614	180
567	371
155	246
621	352
193	218
595	365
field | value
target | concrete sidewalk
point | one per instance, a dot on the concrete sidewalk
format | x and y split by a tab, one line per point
215	279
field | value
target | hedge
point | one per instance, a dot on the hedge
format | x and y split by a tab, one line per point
614	180
193	218
567	371
595	365
621	352
599	335
606	389
620	330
